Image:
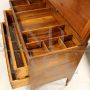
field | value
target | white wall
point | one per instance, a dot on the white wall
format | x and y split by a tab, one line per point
4	5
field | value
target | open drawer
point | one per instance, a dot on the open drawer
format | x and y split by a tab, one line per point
19	62
10	67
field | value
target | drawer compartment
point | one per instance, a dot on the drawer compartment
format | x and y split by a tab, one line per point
16	51
36	19
11	72
55	44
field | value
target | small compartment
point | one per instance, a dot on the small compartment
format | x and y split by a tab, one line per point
15	47
37	48
44	33
68	40
14	43
36	19
54	44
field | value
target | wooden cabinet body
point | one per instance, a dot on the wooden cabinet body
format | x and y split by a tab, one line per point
43	36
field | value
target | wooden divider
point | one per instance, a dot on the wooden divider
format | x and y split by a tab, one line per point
51	45
38	49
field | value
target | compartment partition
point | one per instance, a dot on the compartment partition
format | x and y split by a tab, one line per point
54	44
68	41
37	48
